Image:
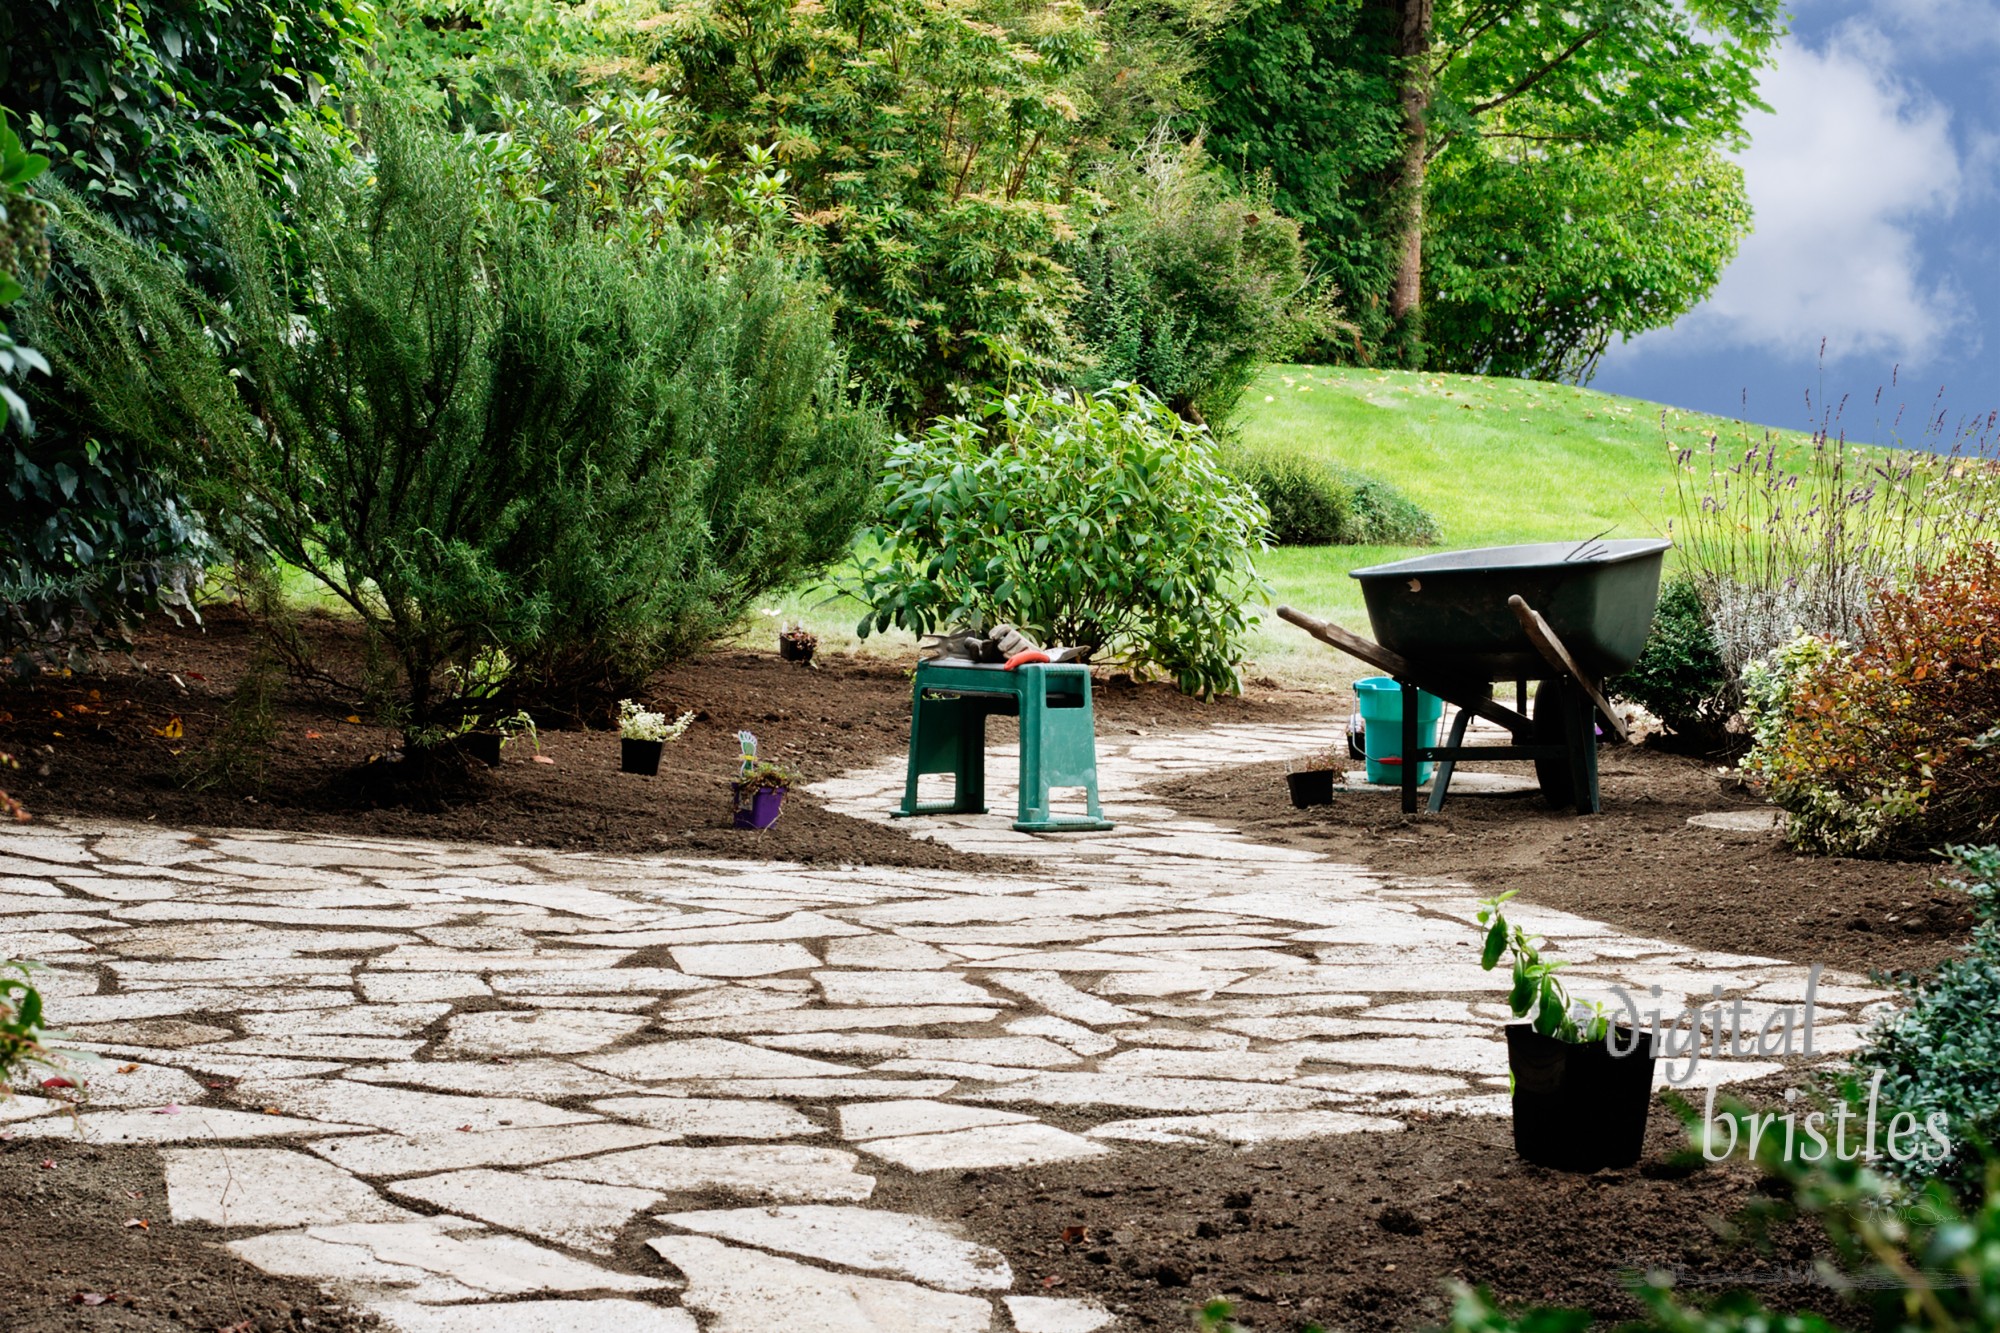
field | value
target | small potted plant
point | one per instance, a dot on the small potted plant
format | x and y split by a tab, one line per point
796	643
760	787
1582	1088
643	735
1313	777
484	743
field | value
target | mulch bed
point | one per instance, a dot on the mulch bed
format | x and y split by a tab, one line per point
76	1258
1639	865
1366	1232
103	745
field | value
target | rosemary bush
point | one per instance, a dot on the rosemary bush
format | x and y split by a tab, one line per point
478	424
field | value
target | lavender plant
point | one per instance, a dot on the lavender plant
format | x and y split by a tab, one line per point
1784	537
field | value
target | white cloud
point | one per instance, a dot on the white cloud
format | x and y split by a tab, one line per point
1849	160
1939	27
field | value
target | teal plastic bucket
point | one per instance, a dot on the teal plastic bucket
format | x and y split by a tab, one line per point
1381	701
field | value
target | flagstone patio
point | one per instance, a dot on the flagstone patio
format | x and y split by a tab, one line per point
441	1081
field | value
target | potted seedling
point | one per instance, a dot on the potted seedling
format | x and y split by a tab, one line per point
760	787
1313	777
484	744
1582	1088
479	688
796	643
643	735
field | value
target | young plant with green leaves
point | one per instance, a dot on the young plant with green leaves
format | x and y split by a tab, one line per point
1102	521
22	1036
1536	994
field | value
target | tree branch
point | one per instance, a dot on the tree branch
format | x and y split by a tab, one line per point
1525	84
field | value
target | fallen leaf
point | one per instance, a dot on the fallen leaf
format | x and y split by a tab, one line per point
1072	1235
1052	1280
57	1083
135	1194
139	1222
465	1129
173	730
88	1298
272	1110
354	718
543	759
48	1164
196	675
171	1108
220	1083
128	1069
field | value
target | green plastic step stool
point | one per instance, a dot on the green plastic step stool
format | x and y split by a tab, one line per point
949	705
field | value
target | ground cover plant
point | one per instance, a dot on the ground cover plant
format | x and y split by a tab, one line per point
1937	1054
487	428
1101	521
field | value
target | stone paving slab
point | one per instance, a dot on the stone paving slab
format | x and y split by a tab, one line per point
459	1083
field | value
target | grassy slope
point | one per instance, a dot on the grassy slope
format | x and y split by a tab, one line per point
1496	461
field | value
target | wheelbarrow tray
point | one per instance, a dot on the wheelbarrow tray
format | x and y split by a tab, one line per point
1450	610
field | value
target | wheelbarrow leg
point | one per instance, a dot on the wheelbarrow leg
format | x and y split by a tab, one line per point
1443	778
1412	766
1581	715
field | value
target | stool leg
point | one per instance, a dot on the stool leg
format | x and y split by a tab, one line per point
916	740
968	794
1033	807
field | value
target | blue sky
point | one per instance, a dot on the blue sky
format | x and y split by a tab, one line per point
1875	181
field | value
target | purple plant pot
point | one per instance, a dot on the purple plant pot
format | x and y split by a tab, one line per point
762	812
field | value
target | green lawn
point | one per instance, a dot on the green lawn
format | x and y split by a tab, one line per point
1495	461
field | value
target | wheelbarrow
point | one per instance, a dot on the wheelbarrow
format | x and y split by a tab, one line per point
1566	615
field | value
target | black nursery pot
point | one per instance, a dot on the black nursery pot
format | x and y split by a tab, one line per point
1579	1107
483	746
795	650
1313	788
641	757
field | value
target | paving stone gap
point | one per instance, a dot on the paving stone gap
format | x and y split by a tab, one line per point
451	1084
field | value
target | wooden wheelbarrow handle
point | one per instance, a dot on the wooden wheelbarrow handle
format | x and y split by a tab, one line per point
1395	664
1556	655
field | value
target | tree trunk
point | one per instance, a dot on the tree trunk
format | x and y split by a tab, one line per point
1413	46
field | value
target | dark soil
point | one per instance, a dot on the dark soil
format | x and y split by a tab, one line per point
74	1258
104	744
1639	865
1363	1233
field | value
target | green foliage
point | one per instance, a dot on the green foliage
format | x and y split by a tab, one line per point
24	253
1679	677
1939	1052
1308	502
1573	188
1536	257
484	429
1189	286
21	1031
1302	94
931	158
1535	989
618	163
1889	745
1097	520
1381	515
126	95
